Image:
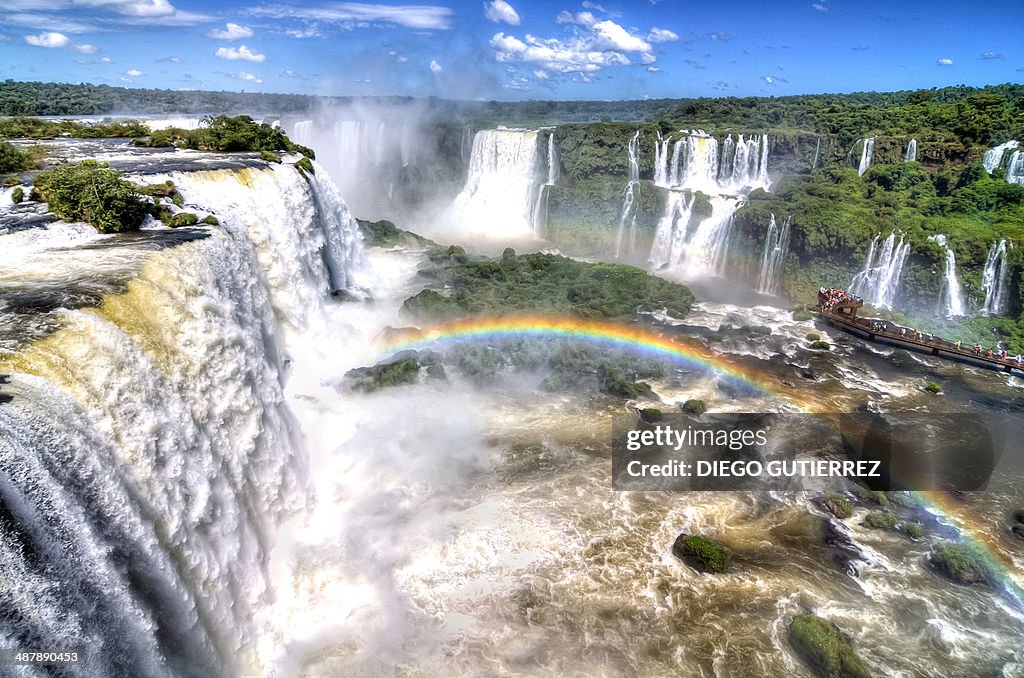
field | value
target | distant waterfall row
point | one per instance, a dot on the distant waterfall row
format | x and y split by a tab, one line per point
696	242
1012	163
697	162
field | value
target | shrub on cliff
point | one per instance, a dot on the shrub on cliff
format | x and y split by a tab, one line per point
92	192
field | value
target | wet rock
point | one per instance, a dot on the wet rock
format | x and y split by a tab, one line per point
701	553
825	649
846	554
836	504
401	368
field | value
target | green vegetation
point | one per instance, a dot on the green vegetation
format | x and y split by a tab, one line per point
932	387
224	134
270	156
837	505
384	233
92	192
822	645
801	316
210	220
881	520
305	165
819	346
546	283
401	368
912	530
813	336
695	406
18	195
962	564
184	219
902	498
866	495
14	159
701	553
650	415
37	128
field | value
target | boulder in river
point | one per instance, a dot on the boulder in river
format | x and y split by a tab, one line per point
701	553
824	648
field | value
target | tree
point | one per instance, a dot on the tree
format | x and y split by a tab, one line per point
92	192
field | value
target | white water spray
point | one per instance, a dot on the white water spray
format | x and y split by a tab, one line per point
867	150
951	300
911	154
625	239
878	282
776	244
994	280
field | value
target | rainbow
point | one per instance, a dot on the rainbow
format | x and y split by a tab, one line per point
605	334
649	342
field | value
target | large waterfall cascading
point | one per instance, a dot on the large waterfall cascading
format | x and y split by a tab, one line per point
697	164
498	198
911	154
878	282
625	238
867	150
951	298
148	451
1015	168
776	244
994	280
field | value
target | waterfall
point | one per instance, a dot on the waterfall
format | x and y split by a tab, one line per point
994	280
879	280
140	491
498	197
817	152
540	212
661	164
1015	168
951	301
911	155
993	157
625	239
776	244
671	234
865	155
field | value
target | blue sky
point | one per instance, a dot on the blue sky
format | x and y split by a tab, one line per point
515	49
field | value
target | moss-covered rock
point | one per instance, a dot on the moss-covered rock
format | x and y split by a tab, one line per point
819	346
961	564
881	520
210	220
384	233
801	316
1018	530
184	219
615	383
305	165
401	368
18	195
836	504
650	415
270	156
1018	515
902	498
870	496
701	553
431	305
824	648
813	336
933	388
452	253
694	406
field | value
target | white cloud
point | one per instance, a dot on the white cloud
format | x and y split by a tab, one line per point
613	36
992	55
104	60
355	14
593	5
303	33
242	53
944	62
247	77
133	73
289	73
541	75
654	69
170	60
435	67
231	32
819	6
52	40
661	35
500	11
581	18
720	36
51	14
769	79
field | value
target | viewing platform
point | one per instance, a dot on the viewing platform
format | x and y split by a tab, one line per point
840	309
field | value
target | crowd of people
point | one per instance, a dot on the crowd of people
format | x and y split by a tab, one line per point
832	297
